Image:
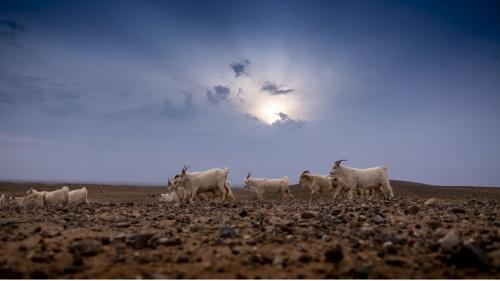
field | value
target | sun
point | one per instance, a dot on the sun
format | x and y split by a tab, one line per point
269	111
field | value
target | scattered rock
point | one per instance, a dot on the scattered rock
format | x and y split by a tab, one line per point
334	254
243	213
307	215
85	248
305	258
457	210
227	232
169	241
449	241
413	210
41	257
470	255
378	219
140	241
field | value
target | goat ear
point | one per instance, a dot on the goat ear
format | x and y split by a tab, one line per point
248	176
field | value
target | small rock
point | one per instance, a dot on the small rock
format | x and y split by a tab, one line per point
457	210
140	240
367	230
378	219
395	261
243	213
470	255
307	215
122	224
434	224
449	241
169	241
334	254
305	258
182	259
431	202
389	248
84	248
363	271
227	232
413	210
41	257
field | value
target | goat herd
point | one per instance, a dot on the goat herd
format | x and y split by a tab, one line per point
344	180
213	183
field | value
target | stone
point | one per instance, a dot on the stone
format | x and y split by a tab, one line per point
307	215
227	232
334	254
457	210
84	248
413	210
449	241
140	240
470	255
169	241
378	219
243	213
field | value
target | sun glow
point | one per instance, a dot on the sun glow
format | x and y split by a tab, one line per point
269	111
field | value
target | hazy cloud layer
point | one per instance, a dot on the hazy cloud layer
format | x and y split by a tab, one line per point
240	67
164	109
10	30
219	93
53	98
274	89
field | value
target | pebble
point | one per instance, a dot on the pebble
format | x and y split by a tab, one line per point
449	241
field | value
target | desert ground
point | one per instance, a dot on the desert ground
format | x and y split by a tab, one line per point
126	233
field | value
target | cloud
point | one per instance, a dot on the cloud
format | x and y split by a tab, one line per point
274	89
240	67
287	122
21	90
10	30
220	93
54	98
26	140
164	109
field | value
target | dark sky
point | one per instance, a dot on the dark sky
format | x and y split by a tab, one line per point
129	91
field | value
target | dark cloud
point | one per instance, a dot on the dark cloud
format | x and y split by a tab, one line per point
10	30
164	109
54	98
287	122
240	67
63	104
274	89
219	93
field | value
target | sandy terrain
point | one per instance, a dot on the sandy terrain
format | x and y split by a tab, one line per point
124	232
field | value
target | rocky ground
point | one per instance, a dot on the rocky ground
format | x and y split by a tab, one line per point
139	237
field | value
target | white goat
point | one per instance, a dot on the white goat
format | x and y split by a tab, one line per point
78	196
316	183
56	197
213	180
261	186
355	179
32	198
169	197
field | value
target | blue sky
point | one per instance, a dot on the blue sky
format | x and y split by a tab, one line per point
129	91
